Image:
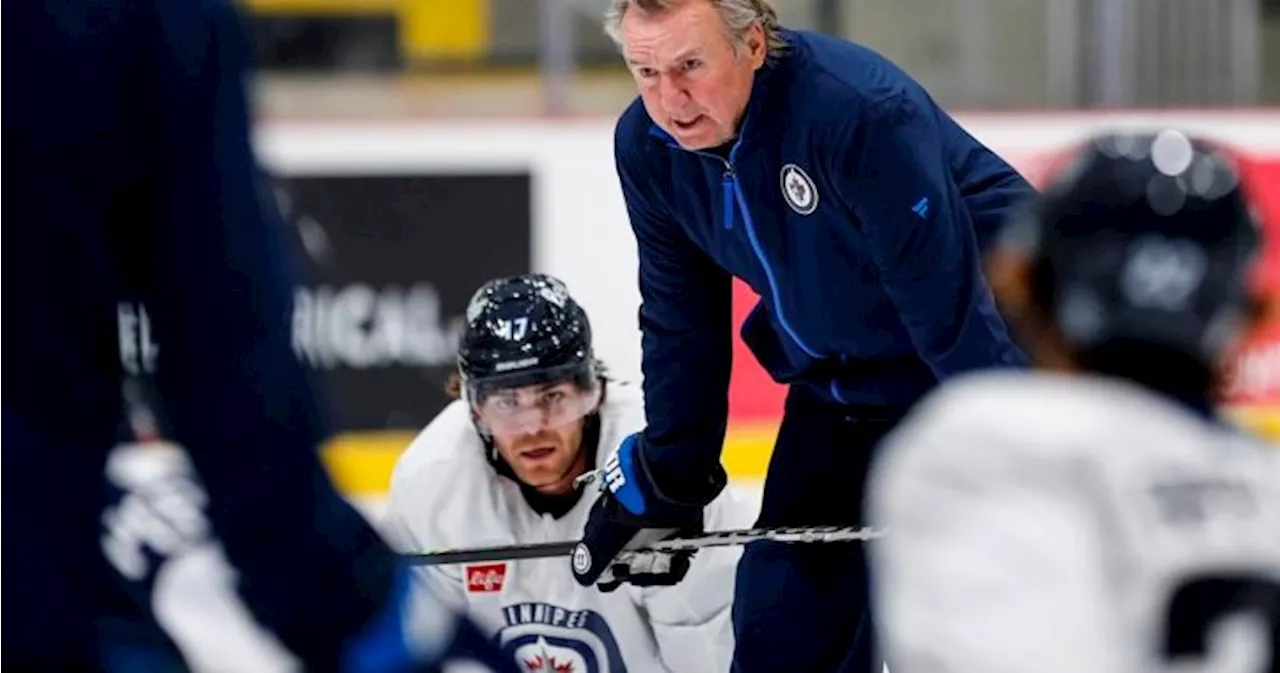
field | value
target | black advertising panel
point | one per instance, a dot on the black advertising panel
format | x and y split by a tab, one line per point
390	263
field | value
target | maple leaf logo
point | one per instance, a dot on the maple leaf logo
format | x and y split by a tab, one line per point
548	665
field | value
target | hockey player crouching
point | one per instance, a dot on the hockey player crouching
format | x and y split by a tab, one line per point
501	465
1096	514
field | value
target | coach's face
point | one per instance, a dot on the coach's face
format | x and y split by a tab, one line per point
694	81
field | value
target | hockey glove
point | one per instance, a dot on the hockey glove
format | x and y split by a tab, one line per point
632	513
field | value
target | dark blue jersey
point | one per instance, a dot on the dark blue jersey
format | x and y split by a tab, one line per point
131	182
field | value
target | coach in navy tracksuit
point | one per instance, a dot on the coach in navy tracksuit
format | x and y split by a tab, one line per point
829	181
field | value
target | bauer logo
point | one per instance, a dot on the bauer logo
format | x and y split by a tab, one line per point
486	578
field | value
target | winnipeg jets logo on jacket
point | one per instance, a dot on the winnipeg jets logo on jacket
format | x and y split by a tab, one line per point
445	495
798	190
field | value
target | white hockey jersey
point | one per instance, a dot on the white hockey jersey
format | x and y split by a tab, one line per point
1045	523
445	495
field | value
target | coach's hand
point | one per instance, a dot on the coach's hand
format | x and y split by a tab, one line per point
632	513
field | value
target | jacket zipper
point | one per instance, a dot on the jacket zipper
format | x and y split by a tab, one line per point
733	192
726	190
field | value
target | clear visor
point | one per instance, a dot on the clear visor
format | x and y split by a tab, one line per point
530	409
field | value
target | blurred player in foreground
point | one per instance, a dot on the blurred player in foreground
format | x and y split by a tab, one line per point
132	182
1094	515
829	181
502	464
180	609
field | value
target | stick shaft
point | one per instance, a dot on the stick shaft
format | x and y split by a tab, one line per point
723	538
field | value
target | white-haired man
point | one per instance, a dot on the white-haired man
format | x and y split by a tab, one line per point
829	181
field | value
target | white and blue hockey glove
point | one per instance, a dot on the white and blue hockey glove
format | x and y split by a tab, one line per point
632	513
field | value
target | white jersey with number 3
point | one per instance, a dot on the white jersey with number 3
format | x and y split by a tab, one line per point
445	495
1044	523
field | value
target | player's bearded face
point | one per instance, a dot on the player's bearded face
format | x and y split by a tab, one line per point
694	81
538	432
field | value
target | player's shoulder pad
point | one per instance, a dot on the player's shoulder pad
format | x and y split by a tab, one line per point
443	489
622	414
1033	414
957	441
991	398
446	451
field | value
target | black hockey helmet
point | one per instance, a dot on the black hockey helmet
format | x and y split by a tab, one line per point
1145	238
524	330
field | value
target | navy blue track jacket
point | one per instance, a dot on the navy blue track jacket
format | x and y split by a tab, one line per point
131	179
853	205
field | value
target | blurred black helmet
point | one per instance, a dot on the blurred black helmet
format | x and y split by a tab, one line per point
524	330
1145	238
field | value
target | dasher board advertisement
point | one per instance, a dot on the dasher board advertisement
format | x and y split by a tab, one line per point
390	262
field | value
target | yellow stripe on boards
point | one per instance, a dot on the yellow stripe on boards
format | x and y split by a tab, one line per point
453	29
324	7
428	29
1262	420
360	463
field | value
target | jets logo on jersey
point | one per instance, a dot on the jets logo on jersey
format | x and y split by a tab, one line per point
798	190
541	637
1163	273
486	578
543	656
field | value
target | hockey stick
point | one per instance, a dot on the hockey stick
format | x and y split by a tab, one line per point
723	538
